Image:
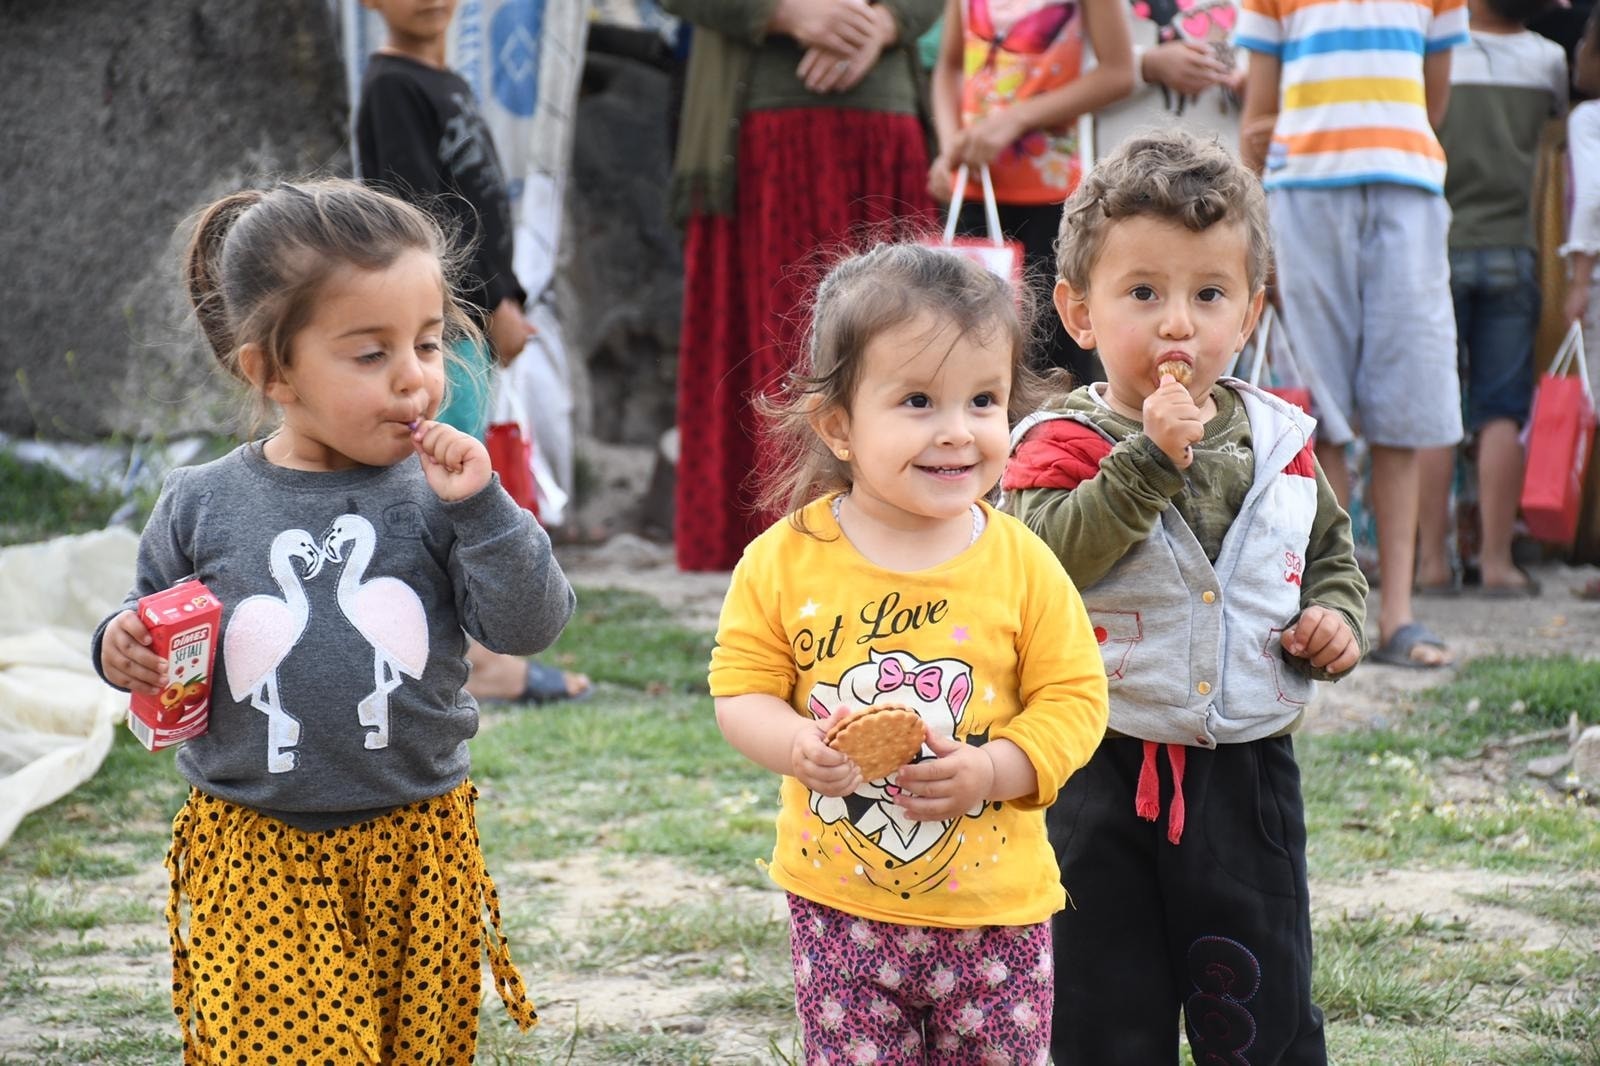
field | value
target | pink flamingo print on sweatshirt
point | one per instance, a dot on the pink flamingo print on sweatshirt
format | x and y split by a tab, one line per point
387	612
261	632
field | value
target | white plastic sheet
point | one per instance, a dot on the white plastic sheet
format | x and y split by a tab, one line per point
57	717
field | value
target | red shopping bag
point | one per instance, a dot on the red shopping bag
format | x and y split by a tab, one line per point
1560	435
996	254
1269	345
511	456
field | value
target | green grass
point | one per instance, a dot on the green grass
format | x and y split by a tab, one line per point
1377	796
1406	989
40	502
43	502
712	933
638	777
629	639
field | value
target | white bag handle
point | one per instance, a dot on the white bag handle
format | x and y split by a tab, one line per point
1262	338
1571	350
991	213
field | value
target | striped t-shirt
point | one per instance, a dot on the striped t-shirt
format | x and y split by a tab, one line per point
1351	106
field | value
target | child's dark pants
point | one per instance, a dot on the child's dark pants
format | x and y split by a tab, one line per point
1217	925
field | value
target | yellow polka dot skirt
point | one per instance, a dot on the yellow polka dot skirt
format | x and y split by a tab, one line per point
355	945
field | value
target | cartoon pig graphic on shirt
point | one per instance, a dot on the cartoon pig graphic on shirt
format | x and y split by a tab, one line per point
938	690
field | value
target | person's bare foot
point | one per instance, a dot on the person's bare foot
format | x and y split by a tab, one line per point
1434	576
1508	582
512	678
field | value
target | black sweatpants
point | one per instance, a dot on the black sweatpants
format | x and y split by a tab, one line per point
1218	925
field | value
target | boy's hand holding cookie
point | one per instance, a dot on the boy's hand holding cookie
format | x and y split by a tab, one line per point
456	464
820	768
1322	637
126	657
958	778
1172	420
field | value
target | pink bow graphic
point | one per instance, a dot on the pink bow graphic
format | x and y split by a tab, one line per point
929	681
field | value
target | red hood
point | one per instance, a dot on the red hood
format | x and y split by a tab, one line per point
1057	454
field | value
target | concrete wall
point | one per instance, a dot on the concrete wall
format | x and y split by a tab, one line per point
119	120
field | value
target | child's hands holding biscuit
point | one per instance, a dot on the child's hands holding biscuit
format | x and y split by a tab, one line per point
1172	420
126	657
1322	637
820	768
958	778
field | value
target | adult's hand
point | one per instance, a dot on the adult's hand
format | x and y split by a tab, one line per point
1186	67
509	331
981	142
941	179
841	26
1577	302
826	71
1255	140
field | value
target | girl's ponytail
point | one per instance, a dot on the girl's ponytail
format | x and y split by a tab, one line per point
202	273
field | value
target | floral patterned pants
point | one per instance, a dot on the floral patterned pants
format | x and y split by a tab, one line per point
873	992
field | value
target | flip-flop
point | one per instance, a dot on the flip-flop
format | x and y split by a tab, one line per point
546	684
1589	590
1396	651
1448	590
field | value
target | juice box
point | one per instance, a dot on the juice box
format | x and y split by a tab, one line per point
183	622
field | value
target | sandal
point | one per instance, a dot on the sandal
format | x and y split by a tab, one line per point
1589	590
1400	649
546	684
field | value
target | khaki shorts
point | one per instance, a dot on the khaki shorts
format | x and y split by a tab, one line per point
1364	273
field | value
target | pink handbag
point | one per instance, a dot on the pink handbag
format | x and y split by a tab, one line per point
1001	257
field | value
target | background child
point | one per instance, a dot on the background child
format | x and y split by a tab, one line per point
419	135
919	902
1355	184
1008	88
1504	84
350	550
1217	569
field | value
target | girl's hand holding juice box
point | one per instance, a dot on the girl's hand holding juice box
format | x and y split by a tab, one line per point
183	622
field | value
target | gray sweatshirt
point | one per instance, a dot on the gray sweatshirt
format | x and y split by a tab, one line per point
337	690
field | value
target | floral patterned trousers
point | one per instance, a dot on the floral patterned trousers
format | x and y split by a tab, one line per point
873	992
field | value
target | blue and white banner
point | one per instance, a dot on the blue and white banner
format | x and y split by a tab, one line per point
523	59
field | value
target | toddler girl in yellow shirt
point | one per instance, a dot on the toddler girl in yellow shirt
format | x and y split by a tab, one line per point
920	900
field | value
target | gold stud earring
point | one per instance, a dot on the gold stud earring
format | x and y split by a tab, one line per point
843	454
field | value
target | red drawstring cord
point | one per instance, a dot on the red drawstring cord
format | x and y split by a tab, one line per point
1147	794
1176	755
1147	797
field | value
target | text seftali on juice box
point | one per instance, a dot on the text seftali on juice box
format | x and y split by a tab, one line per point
183	622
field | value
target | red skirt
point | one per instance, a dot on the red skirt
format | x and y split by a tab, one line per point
814	184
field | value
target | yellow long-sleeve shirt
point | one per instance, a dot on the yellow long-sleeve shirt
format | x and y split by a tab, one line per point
992	644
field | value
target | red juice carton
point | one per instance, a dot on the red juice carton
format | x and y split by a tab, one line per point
183	622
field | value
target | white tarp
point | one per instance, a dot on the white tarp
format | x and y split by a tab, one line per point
56	716
523	59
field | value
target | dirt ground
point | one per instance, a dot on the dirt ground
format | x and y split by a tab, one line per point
669	996
1552	623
